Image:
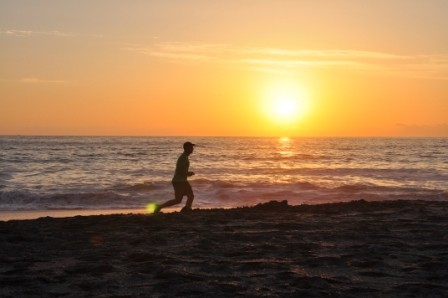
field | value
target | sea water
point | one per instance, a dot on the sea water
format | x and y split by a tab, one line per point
90	173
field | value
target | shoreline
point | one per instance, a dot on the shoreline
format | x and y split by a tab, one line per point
17	215
355	249
63	213
67	213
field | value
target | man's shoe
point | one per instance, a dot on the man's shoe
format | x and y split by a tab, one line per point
186	209
157	209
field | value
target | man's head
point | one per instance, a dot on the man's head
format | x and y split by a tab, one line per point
188	147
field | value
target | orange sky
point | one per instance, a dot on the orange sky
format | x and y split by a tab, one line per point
199	67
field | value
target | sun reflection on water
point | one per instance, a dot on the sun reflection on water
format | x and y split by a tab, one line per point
285	148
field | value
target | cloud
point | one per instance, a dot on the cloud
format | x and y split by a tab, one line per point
418	66
181	52
17	33
278	60
323	54
31	33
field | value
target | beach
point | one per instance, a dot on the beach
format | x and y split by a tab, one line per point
355	249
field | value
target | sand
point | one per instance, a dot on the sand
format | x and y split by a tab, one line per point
357	249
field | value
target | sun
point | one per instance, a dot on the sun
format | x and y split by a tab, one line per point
285	108
285	103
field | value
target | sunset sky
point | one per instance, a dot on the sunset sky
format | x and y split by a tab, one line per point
224	68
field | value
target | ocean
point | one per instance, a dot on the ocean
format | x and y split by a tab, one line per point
93	173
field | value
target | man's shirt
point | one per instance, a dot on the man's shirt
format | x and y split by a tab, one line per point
182	165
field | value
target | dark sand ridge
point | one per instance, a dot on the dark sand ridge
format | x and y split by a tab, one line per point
357	249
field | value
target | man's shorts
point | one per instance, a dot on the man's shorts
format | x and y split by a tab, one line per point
182	189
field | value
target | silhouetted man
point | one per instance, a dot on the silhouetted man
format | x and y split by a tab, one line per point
180	183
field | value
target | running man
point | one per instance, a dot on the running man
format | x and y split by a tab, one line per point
180	183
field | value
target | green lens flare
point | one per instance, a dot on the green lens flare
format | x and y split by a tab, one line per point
151	208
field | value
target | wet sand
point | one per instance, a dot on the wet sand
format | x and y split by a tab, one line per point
357	249
35	214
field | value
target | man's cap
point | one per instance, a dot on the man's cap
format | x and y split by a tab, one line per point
188	144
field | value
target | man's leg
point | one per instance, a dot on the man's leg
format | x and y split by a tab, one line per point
178	195
172	202
190	196
189	201
177	199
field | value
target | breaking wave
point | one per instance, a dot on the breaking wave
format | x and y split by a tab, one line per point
209	193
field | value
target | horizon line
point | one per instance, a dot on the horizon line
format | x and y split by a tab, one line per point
224	136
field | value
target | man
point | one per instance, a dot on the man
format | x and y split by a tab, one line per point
180	183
